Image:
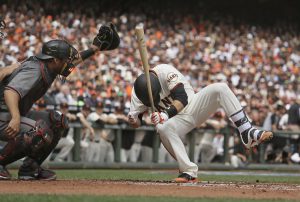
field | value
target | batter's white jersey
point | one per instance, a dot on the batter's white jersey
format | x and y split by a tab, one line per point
169	77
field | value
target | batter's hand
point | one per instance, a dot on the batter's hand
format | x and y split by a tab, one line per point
13	128
157	117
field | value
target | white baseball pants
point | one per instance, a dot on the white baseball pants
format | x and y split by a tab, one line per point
198	110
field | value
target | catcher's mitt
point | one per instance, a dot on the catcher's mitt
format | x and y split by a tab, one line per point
107	38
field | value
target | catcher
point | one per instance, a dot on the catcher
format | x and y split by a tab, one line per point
35	134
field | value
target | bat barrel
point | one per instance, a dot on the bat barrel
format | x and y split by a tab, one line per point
139	30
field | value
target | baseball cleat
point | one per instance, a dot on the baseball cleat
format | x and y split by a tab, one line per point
185	178
4	174
36	174
31	170
41	174
254	137
264	137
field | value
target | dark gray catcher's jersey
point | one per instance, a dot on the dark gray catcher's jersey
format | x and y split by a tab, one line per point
31	81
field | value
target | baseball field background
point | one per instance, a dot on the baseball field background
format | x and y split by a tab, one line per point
209	28
154	185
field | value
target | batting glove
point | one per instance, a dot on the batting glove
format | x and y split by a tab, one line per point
157	117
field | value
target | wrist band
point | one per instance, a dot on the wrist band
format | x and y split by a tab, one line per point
171	111
87	53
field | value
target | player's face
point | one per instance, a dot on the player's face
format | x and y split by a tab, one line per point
67	67
58	65
63	67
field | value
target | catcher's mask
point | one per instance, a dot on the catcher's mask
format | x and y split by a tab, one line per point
60	49
140	88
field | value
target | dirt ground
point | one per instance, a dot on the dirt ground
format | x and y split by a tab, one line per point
139	188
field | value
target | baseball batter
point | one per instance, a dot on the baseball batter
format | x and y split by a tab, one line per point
179	110
35	134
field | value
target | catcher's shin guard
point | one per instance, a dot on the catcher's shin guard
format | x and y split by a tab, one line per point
58	125
14	149
39	141
26	144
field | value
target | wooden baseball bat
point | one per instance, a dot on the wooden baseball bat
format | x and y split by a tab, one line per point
139	31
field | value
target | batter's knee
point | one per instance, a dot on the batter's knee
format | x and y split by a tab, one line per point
165	130
218	87
70	142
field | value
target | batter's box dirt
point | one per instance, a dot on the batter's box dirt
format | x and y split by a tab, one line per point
150	188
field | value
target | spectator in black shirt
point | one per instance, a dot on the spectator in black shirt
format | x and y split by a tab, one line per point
294	115
238	158
294	124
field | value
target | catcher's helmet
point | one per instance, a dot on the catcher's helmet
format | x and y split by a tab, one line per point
60	49
140	88
57	49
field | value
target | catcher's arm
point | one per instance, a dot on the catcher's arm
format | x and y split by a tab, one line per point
5	71
106	39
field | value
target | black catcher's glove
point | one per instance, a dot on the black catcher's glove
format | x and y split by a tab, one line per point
107	38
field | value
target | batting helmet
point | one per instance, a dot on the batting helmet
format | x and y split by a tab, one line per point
140	88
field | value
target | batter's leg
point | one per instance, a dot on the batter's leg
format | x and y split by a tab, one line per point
217	95
170	133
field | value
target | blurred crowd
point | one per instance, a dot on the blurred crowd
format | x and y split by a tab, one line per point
260	62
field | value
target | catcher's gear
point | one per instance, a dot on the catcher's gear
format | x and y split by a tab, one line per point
159	117
59	121
31	170
140	88
58	124
41	135
107	38
39	141
28	143
14	149
60	49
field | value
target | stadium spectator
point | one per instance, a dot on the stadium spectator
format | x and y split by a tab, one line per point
101	148
211	145
238	158
64	96
88	133
66	143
